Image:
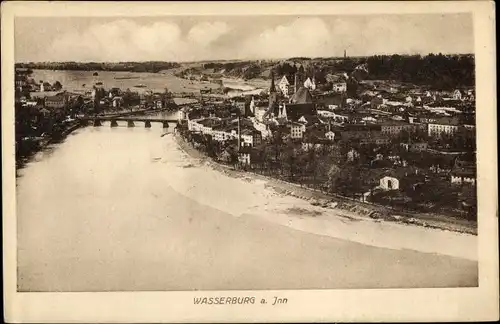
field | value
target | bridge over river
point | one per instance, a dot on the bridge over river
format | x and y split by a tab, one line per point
131	120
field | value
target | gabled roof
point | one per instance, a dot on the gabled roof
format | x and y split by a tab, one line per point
302	96
284	79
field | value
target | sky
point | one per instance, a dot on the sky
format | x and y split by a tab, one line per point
197	38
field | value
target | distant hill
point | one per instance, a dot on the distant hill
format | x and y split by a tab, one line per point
436	70
153	66
439	71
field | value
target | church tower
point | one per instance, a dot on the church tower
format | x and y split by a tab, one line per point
273	96
272	88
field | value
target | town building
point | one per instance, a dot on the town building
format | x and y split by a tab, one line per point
389	183
463	177
273	104
117	102
301	104
182	114
297	130
285	86
310	84
415	147
58	101
443	126
352	155
375	140
330	135
457	95
339	87
395	128
244	155
359	131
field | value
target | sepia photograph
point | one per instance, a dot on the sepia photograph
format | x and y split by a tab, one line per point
252	152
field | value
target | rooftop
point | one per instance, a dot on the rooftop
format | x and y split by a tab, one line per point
302	96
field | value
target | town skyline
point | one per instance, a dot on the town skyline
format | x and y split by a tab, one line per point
237	60
194	39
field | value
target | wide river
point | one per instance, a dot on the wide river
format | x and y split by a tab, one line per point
157	82
122	208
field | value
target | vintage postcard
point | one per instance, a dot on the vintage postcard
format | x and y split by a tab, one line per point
242	162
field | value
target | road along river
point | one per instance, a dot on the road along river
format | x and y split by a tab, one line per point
121	209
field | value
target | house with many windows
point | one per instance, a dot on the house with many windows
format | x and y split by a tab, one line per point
297	130
339	87
286	87
58	101
444	125
463	177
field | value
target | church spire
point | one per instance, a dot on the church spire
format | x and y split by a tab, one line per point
273	87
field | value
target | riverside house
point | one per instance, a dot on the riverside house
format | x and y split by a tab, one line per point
58	101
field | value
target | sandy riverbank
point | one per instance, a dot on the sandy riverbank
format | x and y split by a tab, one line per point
125	209
278	202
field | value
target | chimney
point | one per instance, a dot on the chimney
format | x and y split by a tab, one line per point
296	85
345	54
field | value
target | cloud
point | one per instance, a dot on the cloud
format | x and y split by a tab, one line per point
246	38
207	32
125	40
302	37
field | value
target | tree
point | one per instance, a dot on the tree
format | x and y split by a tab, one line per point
57	86
333	175
251	72
347	181
47	86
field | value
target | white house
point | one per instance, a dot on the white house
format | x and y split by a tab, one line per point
352	155
310	84
438	129
339	87
297	130
285	87
252	106
459	178
457	95
182	114
415	147
308	146
117	102
247	138
369	119
326	113
244	156
389	183
259	113
330	135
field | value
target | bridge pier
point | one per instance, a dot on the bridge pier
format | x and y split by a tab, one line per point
147	124
97	123
130	123
165	124
114	123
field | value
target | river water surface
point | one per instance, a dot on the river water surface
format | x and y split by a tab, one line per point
126	209
81	81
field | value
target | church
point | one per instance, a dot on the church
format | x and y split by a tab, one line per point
300	104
